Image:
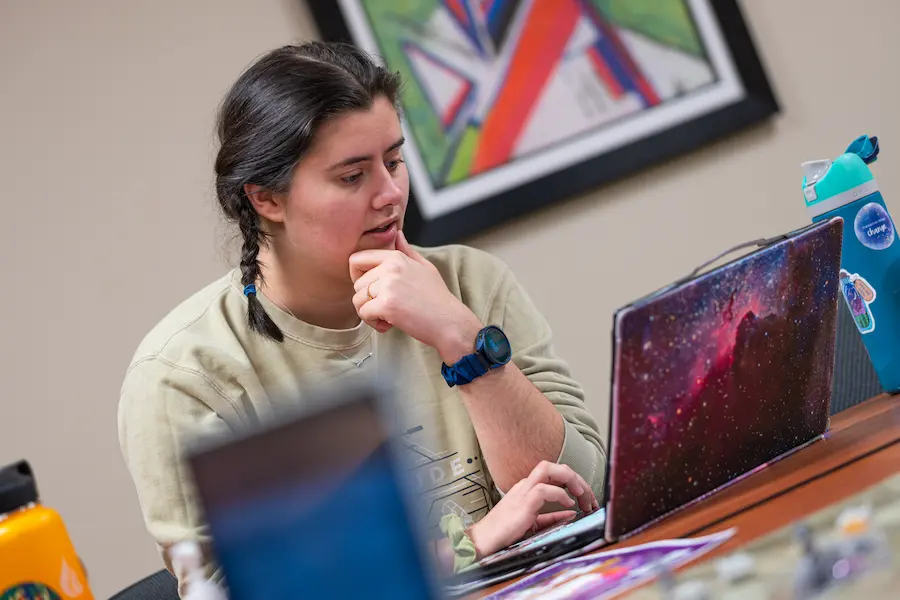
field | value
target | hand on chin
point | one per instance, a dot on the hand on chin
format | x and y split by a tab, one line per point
401	288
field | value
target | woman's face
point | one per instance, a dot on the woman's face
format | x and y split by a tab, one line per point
348	193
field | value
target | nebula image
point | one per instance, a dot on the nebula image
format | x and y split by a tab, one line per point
722	374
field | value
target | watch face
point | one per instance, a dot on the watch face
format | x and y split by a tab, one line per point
496	346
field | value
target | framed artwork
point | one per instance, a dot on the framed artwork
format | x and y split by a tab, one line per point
511	105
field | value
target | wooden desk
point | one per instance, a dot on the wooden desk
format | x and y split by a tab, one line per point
861	449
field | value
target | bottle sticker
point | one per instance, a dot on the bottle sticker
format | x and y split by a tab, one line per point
29	591
69	581
873	226
862	286
859	295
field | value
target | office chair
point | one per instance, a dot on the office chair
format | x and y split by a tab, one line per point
854	377
159	586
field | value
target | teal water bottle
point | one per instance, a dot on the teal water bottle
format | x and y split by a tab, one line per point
870	264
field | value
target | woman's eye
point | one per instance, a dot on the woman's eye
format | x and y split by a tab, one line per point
394	164
351	179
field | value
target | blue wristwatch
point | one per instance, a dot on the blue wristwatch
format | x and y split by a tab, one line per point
492	350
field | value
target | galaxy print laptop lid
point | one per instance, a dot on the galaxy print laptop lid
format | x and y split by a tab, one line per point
721	373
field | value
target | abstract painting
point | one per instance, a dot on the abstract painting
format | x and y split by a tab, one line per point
512	104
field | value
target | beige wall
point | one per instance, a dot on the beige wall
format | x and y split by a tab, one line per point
106	111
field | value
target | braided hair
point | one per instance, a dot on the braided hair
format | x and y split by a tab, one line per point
266	124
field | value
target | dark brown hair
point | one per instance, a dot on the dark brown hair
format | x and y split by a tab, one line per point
268	121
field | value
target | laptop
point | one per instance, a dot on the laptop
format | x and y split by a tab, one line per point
713	377
315	505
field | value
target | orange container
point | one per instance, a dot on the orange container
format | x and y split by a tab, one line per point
37	559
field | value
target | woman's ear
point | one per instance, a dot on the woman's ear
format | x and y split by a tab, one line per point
268	204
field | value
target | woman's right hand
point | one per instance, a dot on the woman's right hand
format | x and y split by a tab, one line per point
519	512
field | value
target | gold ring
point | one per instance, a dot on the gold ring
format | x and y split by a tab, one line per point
369	291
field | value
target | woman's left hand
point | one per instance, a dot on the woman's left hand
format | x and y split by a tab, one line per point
400	288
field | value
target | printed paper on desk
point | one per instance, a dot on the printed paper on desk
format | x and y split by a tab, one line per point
609	573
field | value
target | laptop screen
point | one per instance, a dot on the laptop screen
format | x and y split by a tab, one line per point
721	375
312	508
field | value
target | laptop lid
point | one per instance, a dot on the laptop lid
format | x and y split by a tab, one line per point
720	373
315	505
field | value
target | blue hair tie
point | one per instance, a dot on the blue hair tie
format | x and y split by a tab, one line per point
249	289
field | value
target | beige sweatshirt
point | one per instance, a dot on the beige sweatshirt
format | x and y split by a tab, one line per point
201	370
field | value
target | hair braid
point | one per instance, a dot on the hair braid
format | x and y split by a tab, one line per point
259	319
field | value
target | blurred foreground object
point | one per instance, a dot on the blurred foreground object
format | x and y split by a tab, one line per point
187	558
37	559
316	504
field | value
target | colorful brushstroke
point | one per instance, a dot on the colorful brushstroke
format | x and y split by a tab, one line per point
490	81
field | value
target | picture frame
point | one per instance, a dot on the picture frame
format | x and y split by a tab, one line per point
510	106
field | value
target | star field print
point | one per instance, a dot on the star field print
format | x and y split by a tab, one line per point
723	374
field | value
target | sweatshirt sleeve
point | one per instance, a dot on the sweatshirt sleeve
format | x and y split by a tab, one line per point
512	310
163	408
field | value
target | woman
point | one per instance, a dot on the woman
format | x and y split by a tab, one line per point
311	169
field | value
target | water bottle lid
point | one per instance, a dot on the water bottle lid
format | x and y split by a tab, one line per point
814	170
17	487
828	185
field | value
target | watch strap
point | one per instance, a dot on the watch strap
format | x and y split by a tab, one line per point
464	371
